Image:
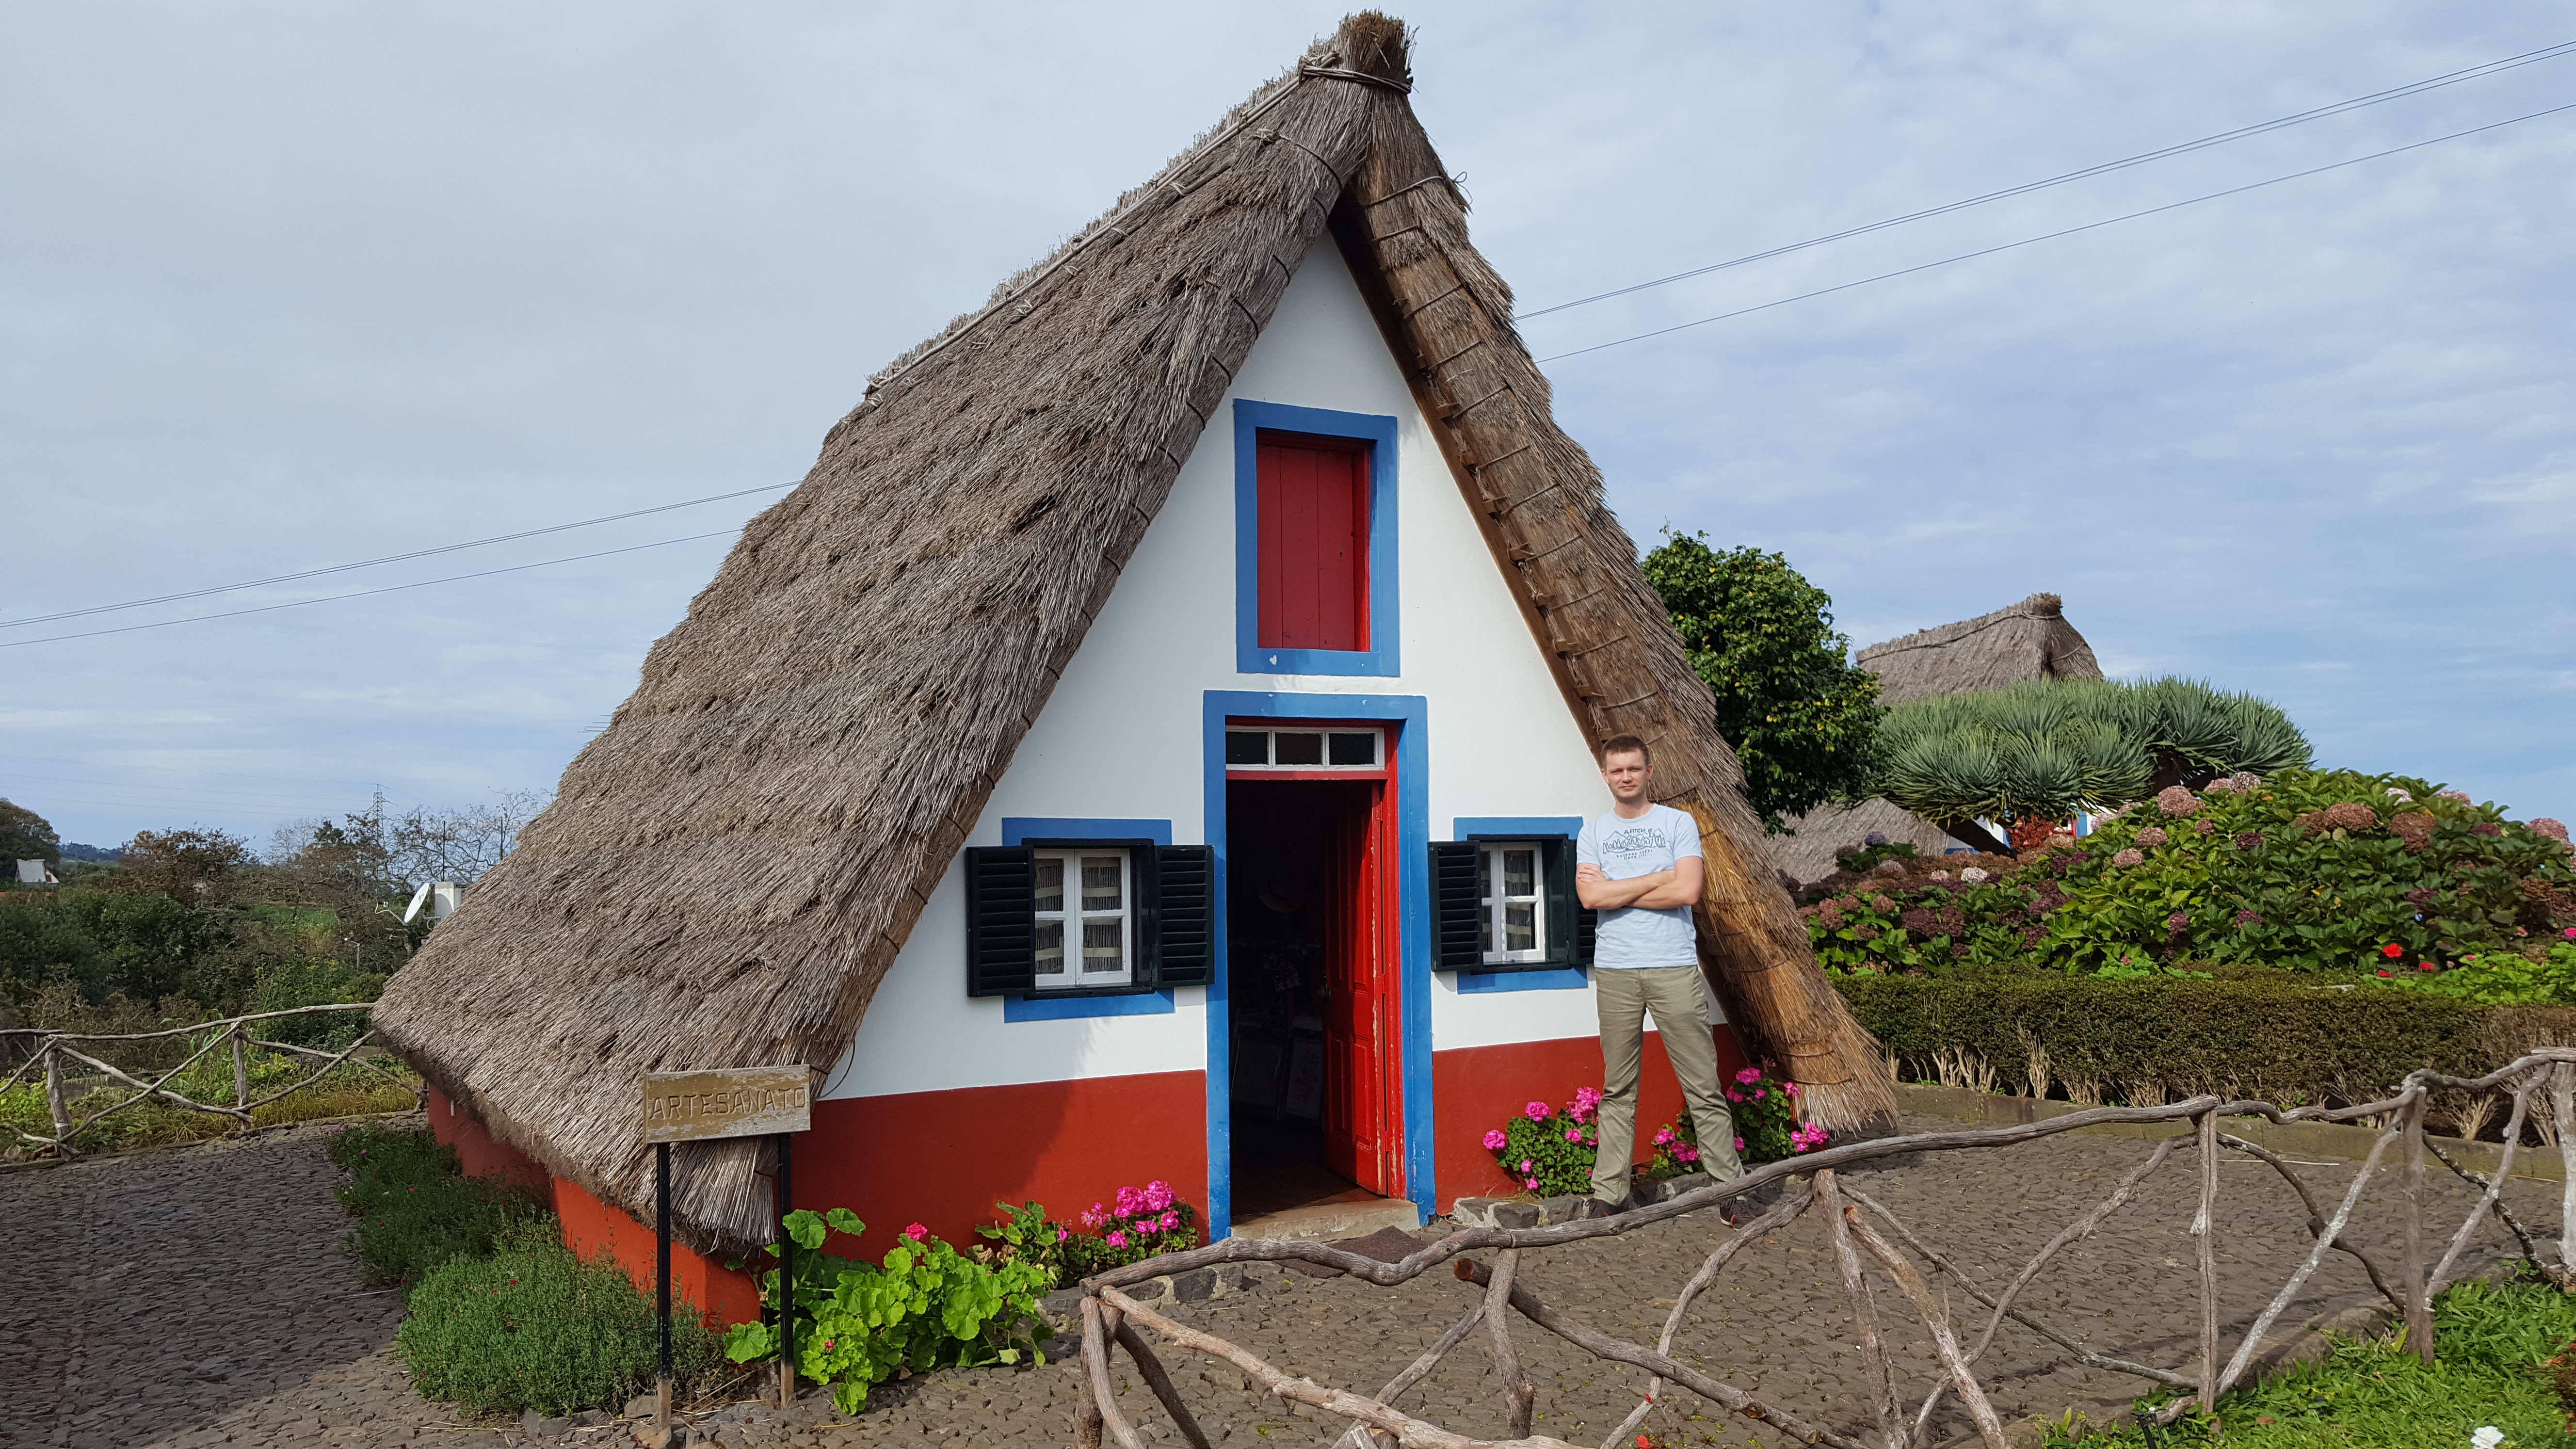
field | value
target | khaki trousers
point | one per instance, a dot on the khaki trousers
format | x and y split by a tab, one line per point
1677	996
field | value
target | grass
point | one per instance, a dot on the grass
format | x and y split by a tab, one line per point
348	1090
2492	1348
535	1327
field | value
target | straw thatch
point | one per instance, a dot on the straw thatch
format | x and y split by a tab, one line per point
2028	640
729	869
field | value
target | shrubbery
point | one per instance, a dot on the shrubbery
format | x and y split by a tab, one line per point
925	1306
414	1207
2266	1035
501	1316
534	1327
2311	871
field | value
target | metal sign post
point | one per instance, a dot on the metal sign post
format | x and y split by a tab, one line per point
735	1102
662	1281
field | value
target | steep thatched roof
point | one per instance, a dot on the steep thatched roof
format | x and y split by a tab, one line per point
728	870
2028	640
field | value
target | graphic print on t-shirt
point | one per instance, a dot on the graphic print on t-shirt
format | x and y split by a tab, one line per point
1635	937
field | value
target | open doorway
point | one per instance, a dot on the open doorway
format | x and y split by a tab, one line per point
1312	996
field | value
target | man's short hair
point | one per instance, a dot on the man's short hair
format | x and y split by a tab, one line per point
1625	745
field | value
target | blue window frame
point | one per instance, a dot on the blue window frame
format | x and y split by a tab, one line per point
1381	657
1020	830
1467	827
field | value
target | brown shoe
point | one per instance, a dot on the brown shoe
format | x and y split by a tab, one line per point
1594	1207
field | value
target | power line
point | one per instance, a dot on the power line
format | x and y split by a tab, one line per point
365	593
373	562
2054	235
2475	72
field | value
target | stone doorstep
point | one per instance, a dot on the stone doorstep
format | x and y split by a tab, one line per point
2329	1139
1332	1222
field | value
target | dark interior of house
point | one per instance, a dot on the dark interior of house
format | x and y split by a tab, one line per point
1282	846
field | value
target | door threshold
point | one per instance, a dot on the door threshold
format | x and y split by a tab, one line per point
1332	1221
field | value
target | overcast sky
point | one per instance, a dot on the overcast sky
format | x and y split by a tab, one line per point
284	286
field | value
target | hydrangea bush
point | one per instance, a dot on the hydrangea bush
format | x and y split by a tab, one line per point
2309	871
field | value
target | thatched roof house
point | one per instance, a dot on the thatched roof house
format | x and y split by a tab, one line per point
2028	640
730	872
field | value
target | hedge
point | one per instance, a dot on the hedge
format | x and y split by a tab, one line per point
2273	1039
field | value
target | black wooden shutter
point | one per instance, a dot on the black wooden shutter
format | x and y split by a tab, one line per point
1564	908
1001	920
1186	915
1457	938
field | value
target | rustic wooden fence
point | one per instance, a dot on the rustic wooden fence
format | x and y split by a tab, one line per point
52	1053
1111	1319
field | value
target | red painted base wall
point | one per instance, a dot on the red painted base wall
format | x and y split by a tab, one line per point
592	1227
943	1158
1477	1088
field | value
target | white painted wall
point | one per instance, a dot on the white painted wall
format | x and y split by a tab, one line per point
1121	737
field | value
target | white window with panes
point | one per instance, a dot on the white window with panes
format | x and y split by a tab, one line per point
1512	885
1086	921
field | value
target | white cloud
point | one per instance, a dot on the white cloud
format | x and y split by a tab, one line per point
296	285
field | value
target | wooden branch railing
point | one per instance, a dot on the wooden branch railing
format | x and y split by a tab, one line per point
1112	1320
48	1050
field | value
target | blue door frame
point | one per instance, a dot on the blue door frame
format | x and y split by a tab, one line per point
1410	714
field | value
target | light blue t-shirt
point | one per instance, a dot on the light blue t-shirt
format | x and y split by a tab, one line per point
1632	938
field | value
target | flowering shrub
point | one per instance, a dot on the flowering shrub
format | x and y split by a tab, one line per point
1765	1108
925	1307
2308	870
2503	978
1550	1151
1025	1235
1135	1224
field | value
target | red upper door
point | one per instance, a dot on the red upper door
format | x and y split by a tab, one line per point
1313	542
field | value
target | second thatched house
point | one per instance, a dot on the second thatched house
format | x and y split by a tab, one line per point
1145	746
2028	640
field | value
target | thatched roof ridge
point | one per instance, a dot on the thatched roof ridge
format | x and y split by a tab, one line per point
728	870
2028	640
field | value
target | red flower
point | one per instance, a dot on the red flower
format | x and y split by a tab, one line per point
2427	966
2383	972
2392	950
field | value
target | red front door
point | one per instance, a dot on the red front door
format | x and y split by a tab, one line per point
1361	1103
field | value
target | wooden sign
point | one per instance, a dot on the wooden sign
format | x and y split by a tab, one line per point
734	1102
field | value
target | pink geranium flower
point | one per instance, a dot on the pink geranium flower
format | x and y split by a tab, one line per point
1573	1134
1535	1111
1749	1075
1527	1166
1171	1219
1494	1139
916	1232
1117	1240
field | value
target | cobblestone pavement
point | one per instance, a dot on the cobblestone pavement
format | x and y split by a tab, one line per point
198	1297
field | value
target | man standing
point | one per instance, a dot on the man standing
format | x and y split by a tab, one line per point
1639	866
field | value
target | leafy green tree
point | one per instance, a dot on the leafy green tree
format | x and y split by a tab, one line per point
1799	713
24	835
